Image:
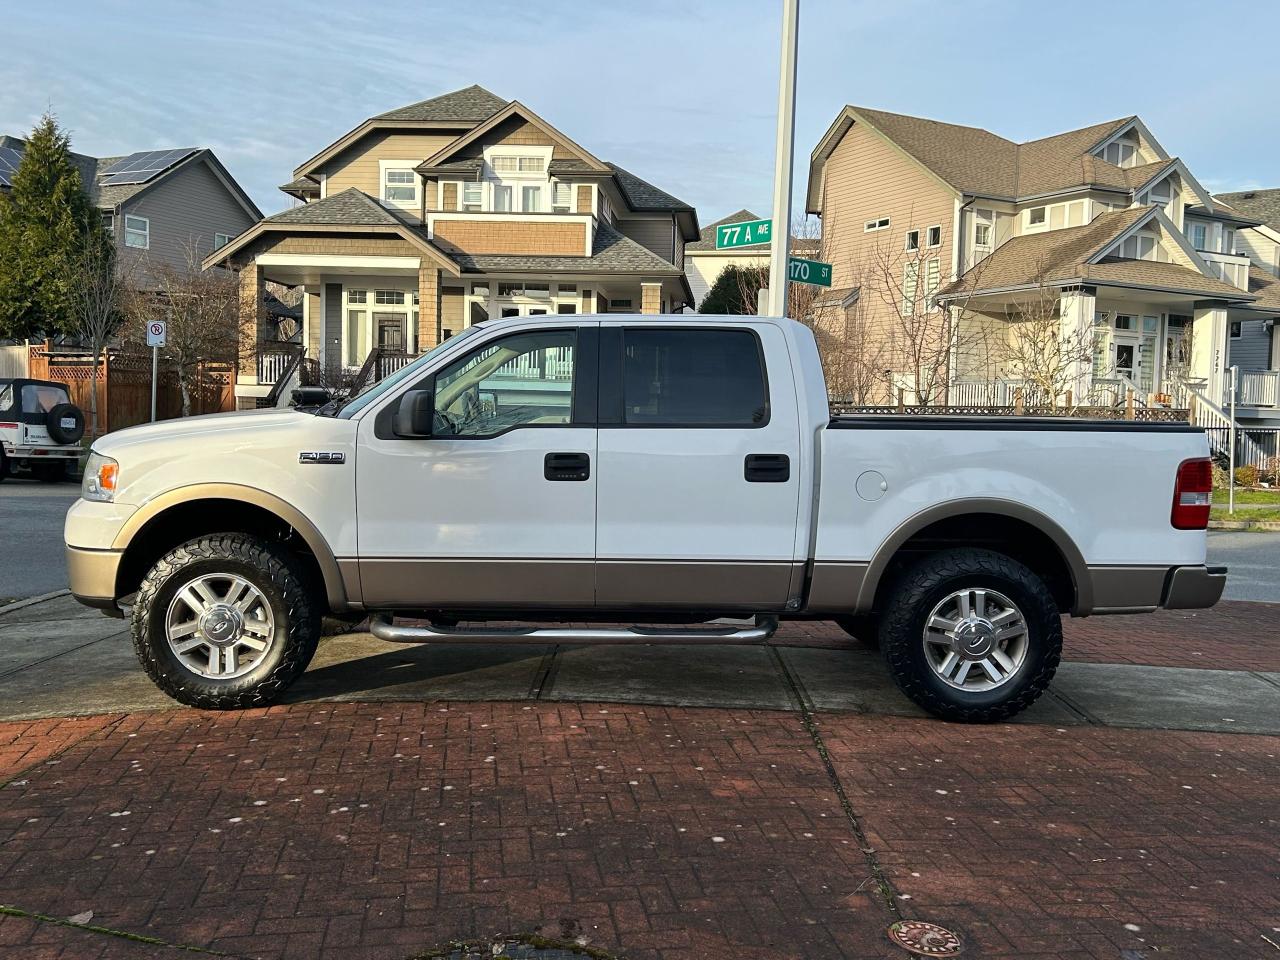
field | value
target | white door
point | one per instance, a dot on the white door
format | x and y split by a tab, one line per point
498	506
699	474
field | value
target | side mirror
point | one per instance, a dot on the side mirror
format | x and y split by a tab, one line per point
416	414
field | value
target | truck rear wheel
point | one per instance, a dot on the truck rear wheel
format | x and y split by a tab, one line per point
225	622
971	635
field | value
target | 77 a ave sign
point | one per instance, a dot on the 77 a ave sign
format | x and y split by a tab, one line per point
747	233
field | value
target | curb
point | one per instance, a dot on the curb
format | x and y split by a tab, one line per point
1258	526
32	601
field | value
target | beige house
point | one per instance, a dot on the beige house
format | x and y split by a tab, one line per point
703	263
946	231
427	218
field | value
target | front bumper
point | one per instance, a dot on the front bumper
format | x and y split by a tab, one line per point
1192	588
92	576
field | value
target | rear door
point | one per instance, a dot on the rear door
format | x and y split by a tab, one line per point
697	495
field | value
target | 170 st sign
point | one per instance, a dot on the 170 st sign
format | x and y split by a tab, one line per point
753	233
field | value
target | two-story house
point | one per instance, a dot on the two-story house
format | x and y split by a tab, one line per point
1254	344
427	218
163	207
1112	237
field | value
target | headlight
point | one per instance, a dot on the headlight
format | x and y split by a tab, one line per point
100	476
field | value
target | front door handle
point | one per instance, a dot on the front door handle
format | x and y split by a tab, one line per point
767	468
566	466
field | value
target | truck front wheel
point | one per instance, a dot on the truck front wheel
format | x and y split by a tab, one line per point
225	622
971	635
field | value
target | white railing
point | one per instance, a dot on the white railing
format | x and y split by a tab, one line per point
553	364
1255	446
1106	392
1261	389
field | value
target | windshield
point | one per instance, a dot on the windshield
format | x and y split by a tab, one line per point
42	397
376	390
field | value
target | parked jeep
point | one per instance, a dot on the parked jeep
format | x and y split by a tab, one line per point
40	429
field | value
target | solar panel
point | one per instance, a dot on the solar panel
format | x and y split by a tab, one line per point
9	160
142	166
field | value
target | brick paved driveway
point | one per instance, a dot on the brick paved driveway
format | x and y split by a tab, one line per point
375	830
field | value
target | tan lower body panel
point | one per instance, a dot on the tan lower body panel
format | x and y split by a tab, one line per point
717	585
91	574
1127	589
703	584
835	586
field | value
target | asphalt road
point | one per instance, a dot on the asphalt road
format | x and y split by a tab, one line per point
31	557
32	562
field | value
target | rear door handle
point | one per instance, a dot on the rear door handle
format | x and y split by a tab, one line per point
767	468
566	466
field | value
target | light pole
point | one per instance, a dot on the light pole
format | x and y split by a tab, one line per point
783	150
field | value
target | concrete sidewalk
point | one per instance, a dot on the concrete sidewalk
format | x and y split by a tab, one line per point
60	659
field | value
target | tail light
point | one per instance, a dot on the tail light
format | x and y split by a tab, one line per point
1192	495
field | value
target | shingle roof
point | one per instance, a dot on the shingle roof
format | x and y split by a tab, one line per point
468	105
707	236
642	195
1136	177
466	167
301	185
351	207
1262	205
1059	255
611	253
974	160
1266	288
569	165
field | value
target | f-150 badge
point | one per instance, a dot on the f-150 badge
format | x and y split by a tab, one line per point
321	456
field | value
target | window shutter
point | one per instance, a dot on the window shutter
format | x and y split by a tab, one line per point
910	281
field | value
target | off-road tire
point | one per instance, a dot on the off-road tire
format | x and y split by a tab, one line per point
913	595
283	581
863	627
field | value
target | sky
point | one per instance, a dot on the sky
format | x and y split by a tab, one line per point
681	92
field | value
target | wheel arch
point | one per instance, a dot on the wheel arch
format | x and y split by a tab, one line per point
1019	517
147	525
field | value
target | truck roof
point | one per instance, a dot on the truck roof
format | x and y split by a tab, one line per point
701	318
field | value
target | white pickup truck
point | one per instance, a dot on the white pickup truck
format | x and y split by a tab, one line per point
656	473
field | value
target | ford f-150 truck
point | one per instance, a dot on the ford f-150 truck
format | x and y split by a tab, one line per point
655	475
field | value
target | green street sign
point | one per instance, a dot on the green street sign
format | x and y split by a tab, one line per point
748	233
800	270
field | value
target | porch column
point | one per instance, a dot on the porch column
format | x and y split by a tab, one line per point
651	297
1209	348
252	321
428	307
1077	308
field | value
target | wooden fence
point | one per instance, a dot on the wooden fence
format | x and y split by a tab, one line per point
124	386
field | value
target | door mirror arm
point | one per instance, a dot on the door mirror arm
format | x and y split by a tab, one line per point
415	417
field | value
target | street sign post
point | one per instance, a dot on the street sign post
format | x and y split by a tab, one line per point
157	331
815	272
782	150
746	233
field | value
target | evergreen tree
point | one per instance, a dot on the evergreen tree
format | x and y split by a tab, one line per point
734	291
45	221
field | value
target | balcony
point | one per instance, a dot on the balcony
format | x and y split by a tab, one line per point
1258	389
276	359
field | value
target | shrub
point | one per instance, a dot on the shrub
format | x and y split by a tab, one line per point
1270	472
1247	476
1219	477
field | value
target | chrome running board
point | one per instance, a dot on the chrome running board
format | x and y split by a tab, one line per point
382	627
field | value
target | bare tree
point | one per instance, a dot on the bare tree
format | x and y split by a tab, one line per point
97	286
1039	348
853	356
201	310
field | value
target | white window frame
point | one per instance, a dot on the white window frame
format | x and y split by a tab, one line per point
1042	223
220	240
910	287
556	205
880	223
467	206
929	233
133	231
385	167
984	218
1204	235
1235	329
911	241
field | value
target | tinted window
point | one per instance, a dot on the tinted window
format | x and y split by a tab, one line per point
41	397
521	380
693	378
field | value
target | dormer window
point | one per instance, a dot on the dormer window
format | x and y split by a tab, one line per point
517	164
1036	217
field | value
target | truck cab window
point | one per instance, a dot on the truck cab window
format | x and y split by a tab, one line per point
518	381
693	378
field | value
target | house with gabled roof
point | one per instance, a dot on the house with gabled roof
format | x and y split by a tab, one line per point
1101	225
425	219
165	207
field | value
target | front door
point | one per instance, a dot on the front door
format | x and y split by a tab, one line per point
498	507
390	331
699	473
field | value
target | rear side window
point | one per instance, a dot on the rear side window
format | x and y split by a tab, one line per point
693	378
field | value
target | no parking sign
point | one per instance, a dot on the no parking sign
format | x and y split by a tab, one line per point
156	330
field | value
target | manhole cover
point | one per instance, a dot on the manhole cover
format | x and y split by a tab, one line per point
926	939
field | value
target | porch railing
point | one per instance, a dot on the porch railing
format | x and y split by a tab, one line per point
1260	389
276	359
